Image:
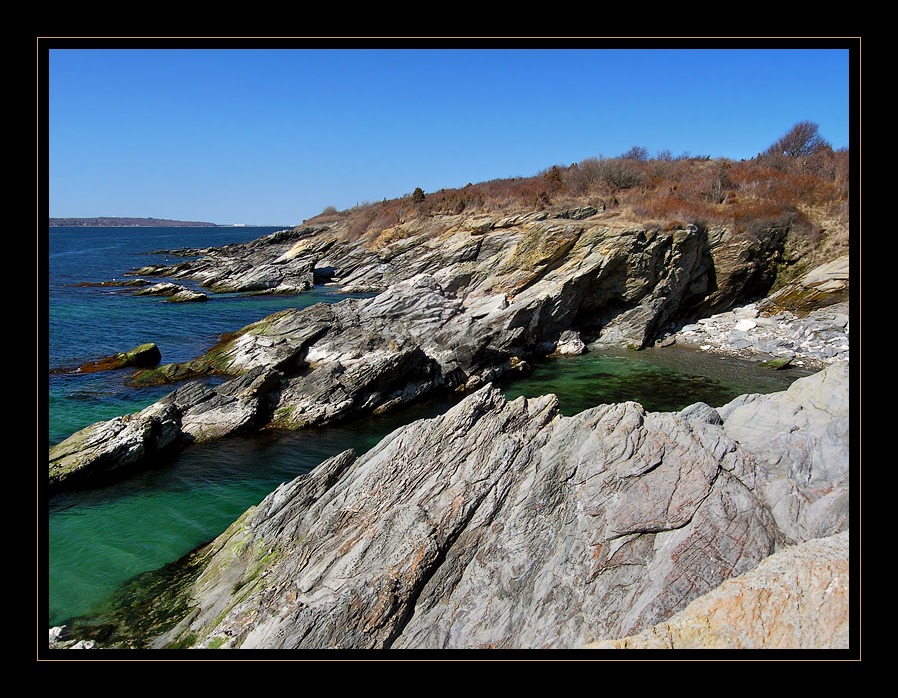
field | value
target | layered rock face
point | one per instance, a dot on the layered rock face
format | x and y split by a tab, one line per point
505	525
462	302
579	269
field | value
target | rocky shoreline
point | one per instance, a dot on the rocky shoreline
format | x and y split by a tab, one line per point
441	534
462	302
505	525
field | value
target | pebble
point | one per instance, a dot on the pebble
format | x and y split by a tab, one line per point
816	340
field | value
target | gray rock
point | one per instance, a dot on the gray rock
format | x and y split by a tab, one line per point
803	469
570	344
507	525
188	296
176	293
118	443
161	289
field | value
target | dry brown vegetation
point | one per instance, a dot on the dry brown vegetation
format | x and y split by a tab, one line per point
799	181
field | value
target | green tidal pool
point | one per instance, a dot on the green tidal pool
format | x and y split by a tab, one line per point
662	380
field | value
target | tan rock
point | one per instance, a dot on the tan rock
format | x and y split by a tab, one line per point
796	599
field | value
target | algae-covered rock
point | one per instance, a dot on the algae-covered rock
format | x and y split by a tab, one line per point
821	287
144	355
777	364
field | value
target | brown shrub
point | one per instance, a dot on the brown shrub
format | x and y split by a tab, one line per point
667	191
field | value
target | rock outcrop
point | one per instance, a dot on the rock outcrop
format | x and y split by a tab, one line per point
462	302
265	265
175	293
574	270
506	525
821	287
144	355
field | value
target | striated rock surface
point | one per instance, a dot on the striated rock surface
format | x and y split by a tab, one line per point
614	281
506	525
264	265
800	439
795	599
121	442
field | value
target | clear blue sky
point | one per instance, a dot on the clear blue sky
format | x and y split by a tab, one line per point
272	136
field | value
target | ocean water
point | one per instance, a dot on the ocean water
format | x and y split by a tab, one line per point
98	538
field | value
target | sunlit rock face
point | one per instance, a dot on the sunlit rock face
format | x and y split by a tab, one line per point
504	524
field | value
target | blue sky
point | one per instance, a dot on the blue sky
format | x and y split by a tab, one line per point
271	136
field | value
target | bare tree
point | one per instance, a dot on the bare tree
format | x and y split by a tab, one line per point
637	152
803	139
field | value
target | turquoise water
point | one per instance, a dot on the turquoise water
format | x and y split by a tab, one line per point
96	539
89	322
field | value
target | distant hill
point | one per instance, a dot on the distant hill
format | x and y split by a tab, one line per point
117	222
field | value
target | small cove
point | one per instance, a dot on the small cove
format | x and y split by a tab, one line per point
98	538
101	537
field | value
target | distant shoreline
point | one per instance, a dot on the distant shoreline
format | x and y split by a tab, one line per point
117	222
